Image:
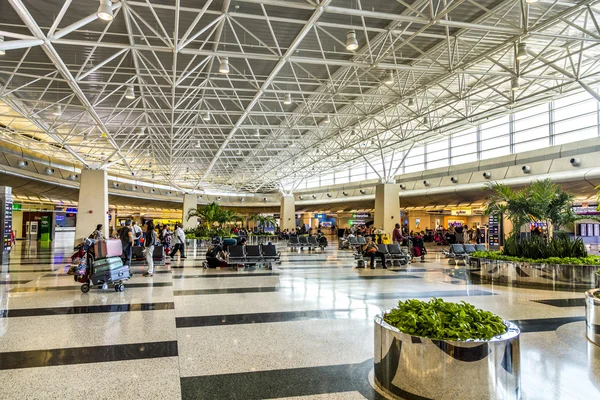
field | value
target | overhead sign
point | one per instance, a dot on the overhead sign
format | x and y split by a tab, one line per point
461	211
17	206
320	216
586	209
363	215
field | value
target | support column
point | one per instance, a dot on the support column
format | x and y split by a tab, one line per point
113	223
287	214
387	206
190	201
93	203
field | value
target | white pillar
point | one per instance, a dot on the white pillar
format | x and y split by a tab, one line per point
93	203
190	201
387	206
287	214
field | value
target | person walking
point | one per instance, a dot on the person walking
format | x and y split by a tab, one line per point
137	233
179	242
397	235
126	236
150	240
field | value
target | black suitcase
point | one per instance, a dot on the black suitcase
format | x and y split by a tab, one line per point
158	254
115	275
136	253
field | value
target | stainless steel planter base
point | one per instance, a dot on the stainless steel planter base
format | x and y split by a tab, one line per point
592	316
415	368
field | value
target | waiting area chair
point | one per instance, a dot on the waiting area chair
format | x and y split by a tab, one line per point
397	256
261	255
456	253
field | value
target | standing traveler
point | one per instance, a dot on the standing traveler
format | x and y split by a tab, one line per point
397	235
150	240
179	242
126	236
137	233
97	234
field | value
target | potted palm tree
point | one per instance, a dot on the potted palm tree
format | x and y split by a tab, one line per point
213	216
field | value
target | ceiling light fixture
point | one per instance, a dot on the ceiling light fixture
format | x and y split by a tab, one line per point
105	12
240	152
2	52
411	102
531	1
257	134
205	116
288	99
514	84
57	110
224	66
327	120
141	131
389	78
351	42
522	51
425	120
198	144
129	93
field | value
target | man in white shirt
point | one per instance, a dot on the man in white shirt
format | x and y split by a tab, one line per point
137	233
179	242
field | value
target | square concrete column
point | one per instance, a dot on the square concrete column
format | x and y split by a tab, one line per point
387	206
92	208
190	201
287	214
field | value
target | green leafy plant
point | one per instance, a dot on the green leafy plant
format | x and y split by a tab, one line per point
496	255
442	320
536	247
264	221
213	214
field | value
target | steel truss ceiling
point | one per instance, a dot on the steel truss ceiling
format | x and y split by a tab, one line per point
455	60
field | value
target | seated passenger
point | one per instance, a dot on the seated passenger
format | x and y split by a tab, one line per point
370	250
215	256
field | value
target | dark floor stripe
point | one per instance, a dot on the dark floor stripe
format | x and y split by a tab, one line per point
280	383
545	324
17	271
132	270
226	275
14	282
419	295
86	355
57	288
316	268
324	260
260	318
362	277
577	302
196	292
107	308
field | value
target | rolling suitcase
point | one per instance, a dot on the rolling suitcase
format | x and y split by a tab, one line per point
158	254
110	276
137	253
108	248
107	264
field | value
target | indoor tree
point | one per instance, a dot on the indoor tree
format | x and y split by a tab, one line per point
264	220
211	214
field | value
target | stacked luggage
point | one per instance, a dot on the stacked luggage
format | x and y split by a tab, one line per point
108	267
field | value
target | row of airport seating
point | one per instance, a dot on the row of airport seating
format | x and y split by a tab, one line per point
310	242
263	254
393	253
458	252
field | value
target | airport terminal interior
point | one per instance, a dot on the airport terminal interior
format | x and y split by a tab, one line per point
300	199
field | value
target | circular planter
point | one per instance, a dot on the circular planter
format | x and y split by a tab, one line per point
412	367
597	279
592	316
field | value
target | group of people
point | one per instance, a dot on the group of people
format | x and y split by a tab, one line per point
131	234
459	233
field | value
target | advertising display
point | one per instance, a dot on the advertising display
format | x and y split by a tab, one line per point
6	210
495	233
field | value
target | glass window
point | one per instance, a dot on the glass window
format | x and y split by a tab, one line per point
313	182
532	122
532	145
437	155
498	152
573	124
464	159
574	110
438	164
495	132
498	121
576	135
495	143
542	108
441	145
414	168
342	177
463	150
531	134
461	138
575	98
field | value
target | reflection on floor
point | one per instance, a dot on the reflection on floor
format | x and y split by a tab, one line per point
303	330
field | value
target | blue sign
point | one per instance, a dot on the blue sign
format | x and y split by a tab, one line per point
320	216
71	210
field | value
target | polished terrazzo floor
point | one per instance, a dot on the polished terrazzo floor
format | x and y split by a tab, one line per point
301	331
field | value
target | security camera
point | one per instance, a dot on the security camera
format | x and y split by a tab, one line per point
487	174
241	199
328	194
454	179
219	198
169	193
73	177
264	199
300	197
402	186
115	184
426	183
575	162
314	196
153	190
49	171
134	188
345	193
23	164
526	169
362	191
